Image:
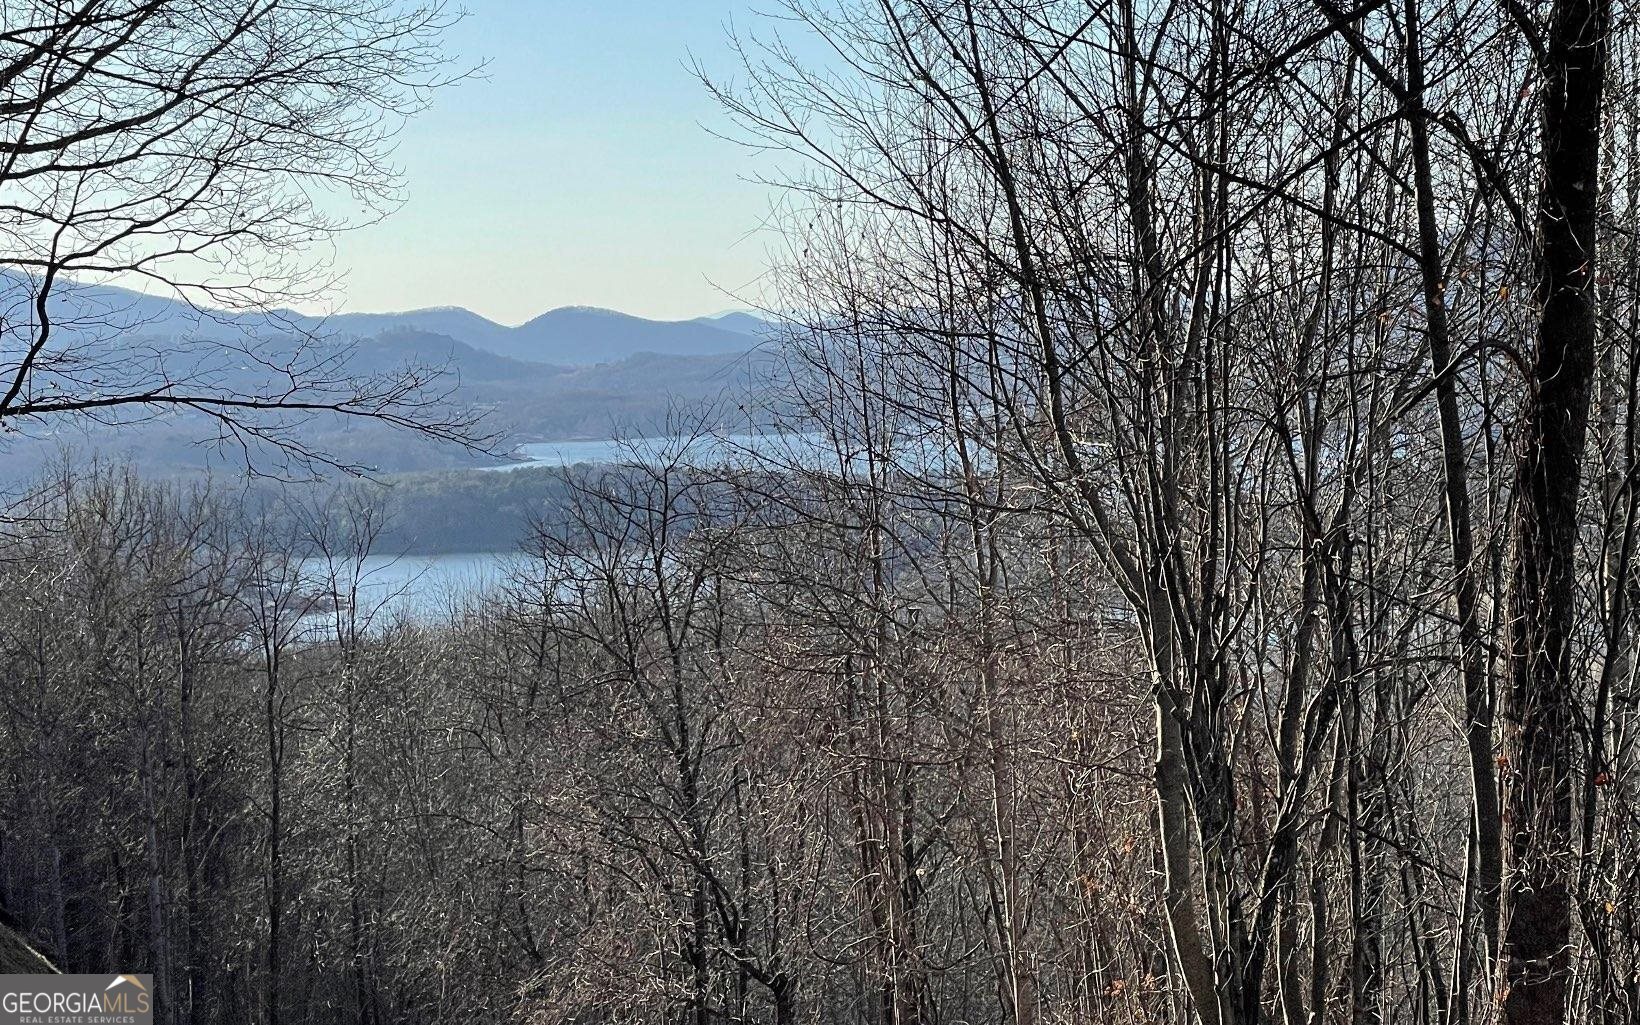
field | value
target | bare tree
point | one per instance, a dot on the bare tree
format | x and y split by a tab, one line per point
199	149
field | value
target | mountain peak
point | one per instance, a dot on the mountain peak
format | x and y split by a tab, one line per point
579	308
413	312
566	335
592	334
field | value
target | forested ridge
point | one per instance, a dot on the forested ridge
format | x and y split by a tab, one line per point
1206	592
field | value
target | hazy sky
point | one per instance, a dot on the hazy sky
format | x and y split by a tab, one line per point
576	171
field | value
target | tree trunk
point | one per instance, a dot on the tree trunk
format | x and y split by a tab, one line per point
1542	695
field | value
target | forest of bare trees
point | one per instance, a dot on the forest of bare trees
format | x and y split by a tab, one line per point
1199	587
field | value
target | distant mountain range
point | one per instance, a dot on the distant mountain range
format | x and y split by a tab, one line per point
570	373
569	336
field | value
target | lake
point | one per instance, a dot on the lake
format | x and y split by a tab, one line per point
709	451
421	586
424	586
924	453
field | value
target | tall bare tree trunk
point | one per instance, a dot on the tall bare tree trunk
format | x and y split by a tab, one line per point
1537	940
1455	466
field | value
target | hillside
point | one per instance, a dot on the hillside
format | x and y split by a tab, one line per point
571	373
572	335
523	401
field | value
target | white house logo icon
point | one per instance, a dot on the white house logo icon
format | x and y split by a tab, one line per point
132	979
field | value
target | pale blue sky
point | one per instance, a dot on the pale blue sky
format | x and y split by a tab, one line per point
576	171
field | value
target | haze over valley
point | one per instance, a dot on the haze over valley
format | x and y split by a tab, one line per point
571	374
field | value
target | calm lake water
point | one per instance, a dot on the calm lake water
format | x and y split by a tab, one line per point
421	586
427	586
726	450
802	450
